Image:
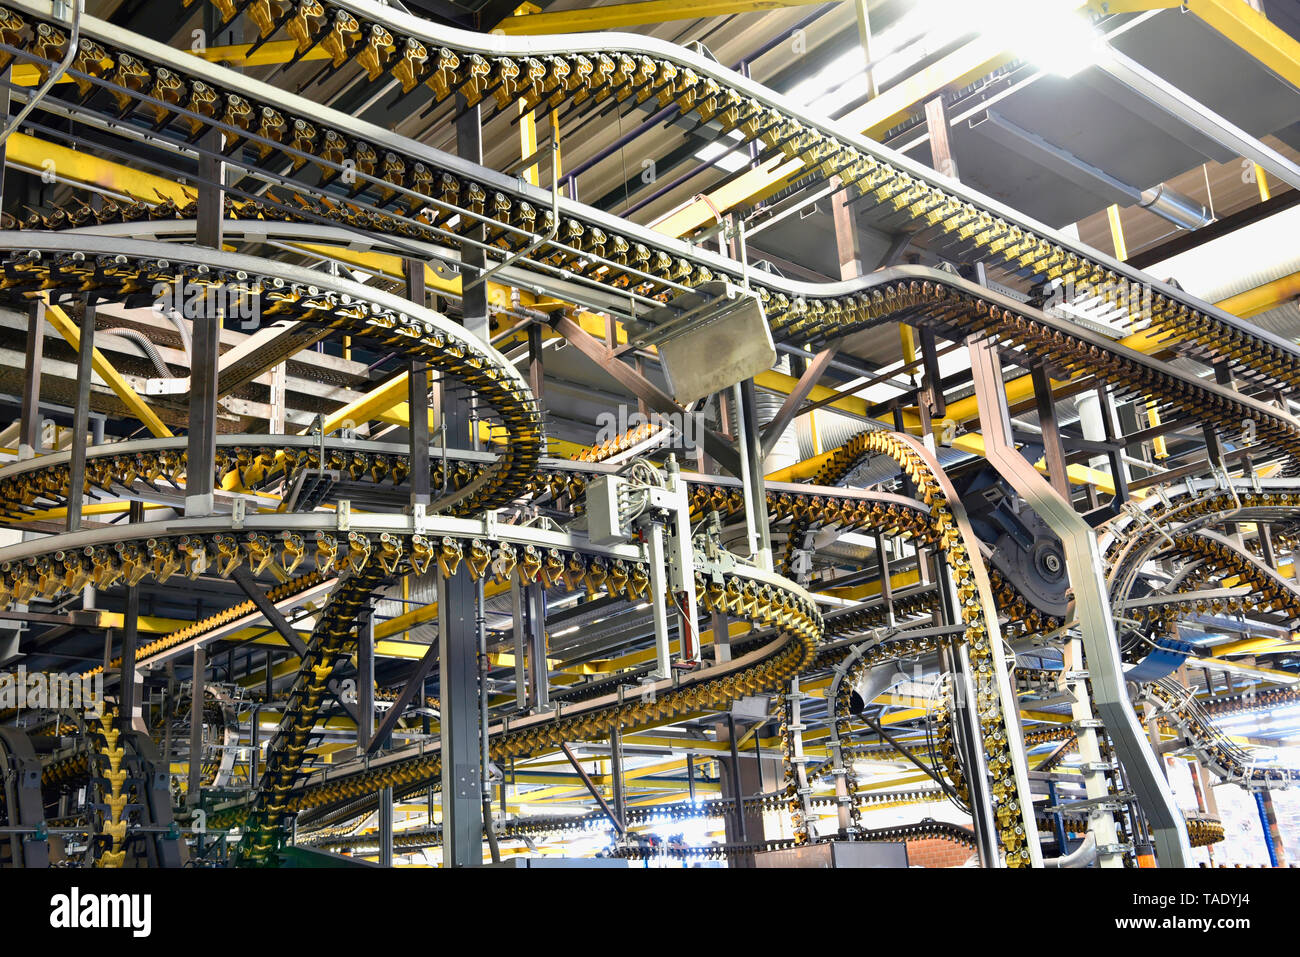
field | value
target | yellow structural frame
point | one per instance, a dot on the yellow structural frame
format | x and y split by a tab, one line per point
135	404
617	15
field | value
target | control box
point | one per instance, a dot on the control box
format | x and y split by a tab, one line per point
604	520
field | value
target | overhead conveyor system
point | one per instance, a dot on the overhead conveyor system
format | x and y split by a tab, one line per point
313	483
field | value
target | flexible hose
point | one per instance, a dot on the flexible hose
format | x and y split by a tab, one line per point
146	344
182	329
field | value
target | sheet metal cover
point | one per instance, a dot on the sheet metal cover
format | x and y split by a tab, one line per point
729	344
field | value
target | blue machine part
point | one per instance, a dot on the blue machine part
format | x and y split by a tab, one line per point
1166	659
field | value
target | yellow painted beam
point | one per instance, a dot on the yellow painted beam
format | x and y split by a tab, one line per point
386	264
410	619
1117	232
1255	646
268	54
879	114
1264	297
92	508
1249	29
964	65
408	650
748	187
135	403
370	406
89	170
617	15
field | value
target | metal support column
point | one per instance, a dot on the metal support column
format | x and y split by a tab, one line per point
539	681
737	789
1083	561
6	78
936	121
886	585
1053	452
720	625
966	727
462	808
128	706
196	727
81	420
751	452
386	827
418	399
29	430
201	447
365	679
616	773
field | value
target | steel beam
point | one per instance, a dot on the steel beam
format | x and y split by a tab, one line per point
752	474
1092	607
533	599
418	398
462	789
462	807
719	448
386	827
136	405
29	430
205	354
413	689
248	584
936	119
616	773
366	680
1197	115
196	727
1053	451
593	790
790	407
127	693
81	419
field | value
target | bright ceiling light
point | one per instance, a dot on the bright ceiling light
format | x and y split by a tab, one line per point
1051	34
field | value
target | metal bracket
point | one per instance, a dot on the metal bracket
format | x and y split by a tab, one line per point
344	515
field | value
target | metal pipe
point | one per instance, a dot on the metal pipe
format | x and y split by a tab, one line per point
55	75
1183	211
1174	206
540	240
1081	856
